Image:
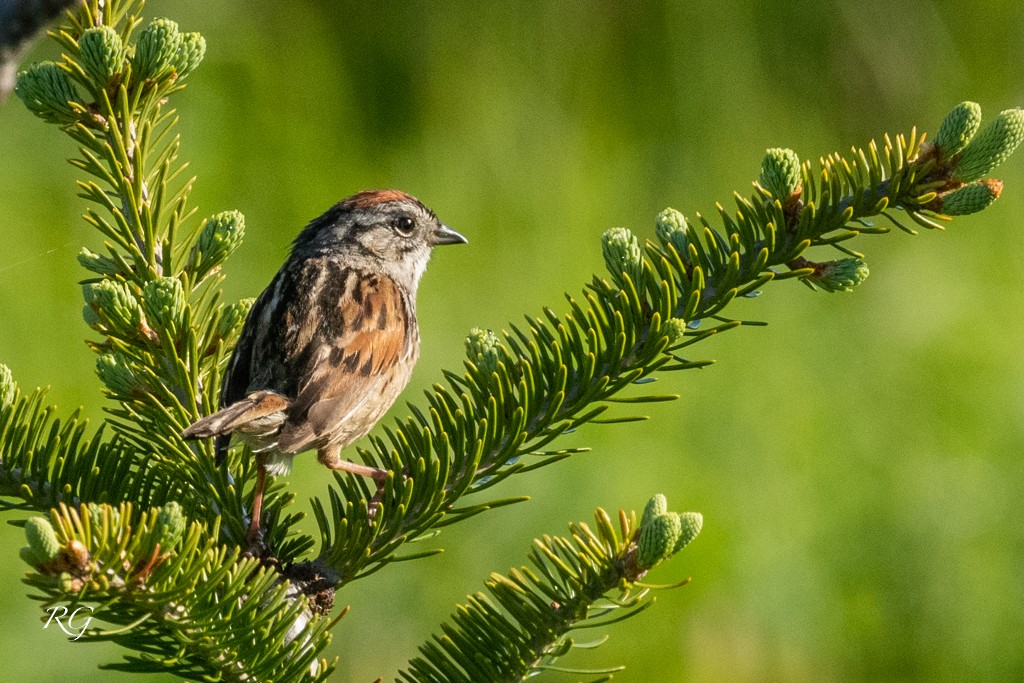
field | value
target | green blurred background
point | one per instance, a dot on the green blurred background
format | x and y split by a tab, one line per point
858	462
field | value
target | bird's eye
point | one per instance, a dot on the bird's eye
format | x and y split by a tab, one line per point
404	226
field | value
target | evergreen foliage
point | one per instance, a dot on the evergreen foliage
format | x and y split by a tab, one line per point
151	531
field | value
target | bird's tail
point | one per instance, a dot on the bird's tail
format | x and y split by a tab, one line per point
259	413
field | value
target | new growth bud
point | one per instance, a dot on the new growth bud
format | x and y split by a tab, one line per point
657	505
7	388
484	349
113	303
117	375
664	533
674	329
220	236
163	302
971	198
46	89
657	539
840	276
102	54
102	265
958	128
169	526
780	173
671	227
622	254
231	318
992	146
690	524
191	50
43	545
156	51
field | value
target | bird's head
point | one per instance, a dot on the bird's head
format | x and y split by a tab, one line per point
387	230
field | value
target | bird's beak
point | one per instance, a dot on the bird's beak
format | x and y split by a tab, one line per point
445	235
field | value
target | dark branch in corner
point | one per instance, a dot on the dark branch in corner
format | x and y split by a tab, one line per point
20	22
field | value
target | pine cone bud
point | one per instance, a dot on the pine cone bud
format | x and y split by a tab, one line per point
163	302
46	89
484	349
972	198
42	541
840	276
622	254
958	128
992	146
232	317
780	172
690	524
672	228
117	375
156	50
113	303
169	526
220	236
657	539
191	50
657	505
8	388
102	265
102	54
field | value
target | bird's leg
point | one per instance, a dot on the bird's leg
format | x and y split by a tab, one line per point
331	457
255	533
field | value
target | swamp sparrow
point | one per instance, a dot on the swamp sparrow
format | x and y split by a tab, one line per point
332	341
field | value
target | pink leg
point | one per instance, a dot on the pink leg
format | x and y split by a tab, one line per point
255	533
330	457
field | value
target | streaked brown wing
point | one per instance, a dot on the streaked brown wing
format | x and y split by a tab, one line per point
365	330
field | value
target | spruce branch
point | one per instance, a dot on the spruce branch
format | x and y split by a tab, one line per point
189	606
529	617
45	461
155	291
521	392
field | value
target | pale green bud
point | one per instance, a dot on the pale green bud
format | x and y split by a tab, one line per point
484	349
958	128
992	146
232	317
102	54
169	526
622	253
672	229
42	541
972	198
46	89
674	329
690	524
103	265
191	50
221	235
117	375
780	172
156	50
8	388
96	514
114	303
657	505
68	584
657	539
840	276
163	302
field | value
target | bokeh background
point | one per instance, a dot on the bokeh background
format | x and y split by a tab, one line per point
858	462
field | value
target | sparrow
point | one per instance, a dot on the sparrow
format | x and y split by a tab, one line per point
331	342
